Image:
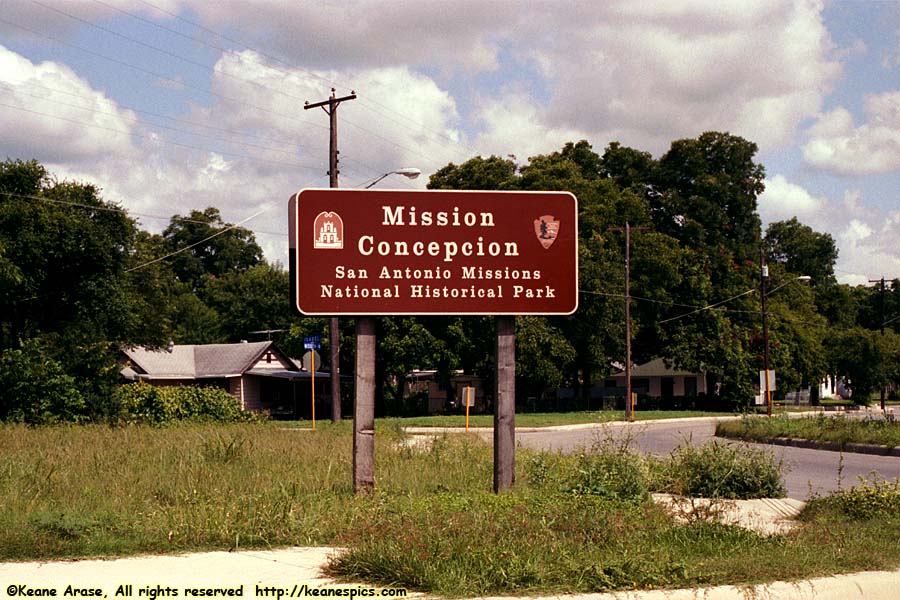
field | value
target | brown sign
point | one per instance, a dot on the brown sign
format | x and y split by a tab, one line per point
388	252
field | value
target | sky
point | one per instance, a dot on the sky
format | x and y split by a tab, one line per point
176	105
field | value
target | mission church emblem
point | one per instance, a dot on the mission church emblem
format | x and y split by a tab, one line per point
328	231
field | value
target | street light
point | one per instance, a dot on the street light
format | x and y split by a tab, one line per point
764	271
409	172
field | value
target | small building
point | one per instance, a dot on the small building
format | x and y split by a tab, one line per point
658	379
434	397
258	374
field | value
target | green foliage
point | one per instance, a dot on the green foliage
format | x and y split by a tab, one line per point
144	403
252	299
608	470
478	173
233	251
720	470
612	470
801	250
36	389
865	359
64	258
870	499
821	428
543	354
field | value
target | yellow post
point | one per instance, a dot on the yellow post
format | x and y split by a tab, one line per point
312	362
633	402
466	400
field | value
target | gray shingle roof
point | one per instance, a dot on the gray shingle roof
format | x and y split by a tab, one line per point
197	362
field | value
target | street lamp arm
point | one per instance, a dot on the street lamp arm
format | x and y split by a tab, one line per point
377	180
408	172
800	278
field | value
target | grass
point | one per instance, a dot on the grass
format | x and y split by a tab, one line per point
820	428
551	419
432	523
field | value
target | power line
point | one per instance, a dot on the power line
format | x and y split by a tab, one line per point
170	142
366	101
187	132
127	212
162	77
153	114
159	75
157	125
206	239
201	65
750	291
205	67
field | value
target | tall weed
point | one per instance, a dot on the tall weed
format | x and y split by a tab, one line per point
720	470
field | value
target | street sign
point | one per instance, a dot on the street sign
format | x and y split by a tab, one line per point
762	381
311	361
388	252
312	342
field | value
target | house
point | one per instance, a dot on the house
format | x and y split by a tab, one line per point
258	374
658	379
437	398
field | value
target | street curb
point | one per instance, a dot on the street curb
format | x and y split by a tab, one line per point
854	447
417	430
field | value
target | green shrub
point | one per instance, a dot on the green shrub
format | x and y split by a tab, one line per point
36	389
720	470
869	500
144	403
609	470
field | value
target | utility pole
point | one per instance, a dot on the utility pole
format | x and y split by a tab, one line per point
882	331
330	107
629	406
763	278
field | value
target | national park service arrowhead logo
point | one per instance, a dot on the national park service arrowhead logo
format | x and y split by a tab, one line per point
546	229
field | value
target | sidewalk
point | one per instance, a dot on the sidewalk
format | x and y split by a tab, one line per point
263	574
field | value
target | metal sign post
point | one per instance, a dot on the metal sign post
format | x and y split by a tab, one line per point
468	400
312	343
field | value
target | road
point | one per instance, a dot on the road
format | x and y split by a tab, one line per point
810	471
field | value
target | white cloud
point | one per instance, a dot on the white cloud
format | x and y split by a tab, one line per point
647	73
782	200
643	73
836	144
864	235
514	126
379	131
856	232
51	113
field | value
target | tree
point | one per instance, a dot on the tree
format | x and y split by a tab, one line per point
801	250
64	257
64	252
250	300
628	167
708	188
543	356
210	254
36	388
478	173
864	359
